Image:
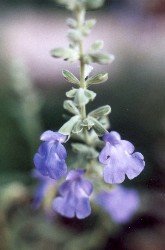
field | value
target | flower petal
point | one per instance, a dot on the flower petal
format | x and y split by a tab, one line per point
113	175
135	166
60	206
117	198
105	153
86	186
52	136
128	146
112	137
83	208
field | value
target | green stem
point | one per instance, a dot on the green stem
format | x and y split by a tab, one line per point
80	19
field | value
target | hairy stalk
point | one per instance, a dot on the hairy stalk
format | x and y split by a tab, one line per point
80	16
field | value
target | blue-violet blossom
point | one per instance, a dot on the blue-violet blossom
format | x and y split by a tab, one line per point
51	155
45	184
119	159
120	203
74	199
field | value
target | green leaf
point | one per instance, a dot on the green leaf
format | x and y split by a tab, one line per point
87	27
60	52
67	54
70	106
66	129
89	152
97	45
90	94
77	128
70	77
101	111
90	23
75	35
72	23
101	58
98	127
71	93
94	4
97	79
105	122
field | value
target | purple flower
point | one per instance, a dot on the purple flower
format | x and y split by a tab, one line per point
119	159
43	188
51	155
120	203
75	192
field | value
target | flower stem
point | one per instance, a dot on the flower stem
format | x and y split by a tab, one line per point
80	20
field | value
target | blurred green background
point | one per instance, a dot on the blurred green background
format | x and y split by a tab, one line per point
32	91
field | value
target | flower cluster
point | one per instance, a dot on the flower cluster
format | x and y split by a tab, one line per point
96	170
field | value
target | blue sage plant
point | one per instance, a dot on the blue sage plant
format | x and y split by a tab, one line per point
103	159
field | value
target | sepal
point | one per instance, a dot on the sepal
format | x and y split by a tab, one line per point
98	127
88	123
66	129
71	93
83	96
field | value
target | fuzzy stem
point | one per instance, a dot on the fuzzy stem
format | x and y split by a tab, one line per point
80	15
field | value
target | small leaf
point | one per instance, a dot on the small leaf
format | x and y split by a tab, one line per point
97	79
90	94
70	77
60	52
71	93
90	152
90	23
66	129
77	128
70	106
94	4
70	54
98	127
102	58
75	35
97	45
105	122
101	111
72	23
